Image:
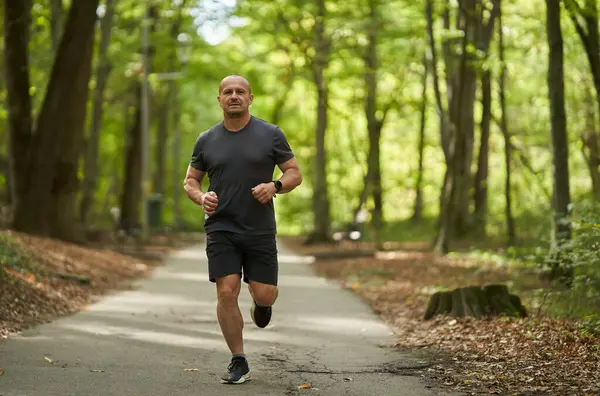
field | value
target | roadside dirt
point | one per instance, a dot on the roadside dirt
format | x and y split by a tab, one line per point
42	279
537	355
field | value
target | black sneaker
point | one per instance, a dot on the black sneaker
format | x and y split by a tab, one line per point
260	315
238	371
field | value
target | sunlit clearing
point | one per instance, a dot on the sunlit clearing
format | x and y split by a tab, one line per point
149	336
142	302
344	325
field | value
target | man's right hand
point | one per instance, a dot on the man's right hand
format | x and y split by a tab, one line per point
210	201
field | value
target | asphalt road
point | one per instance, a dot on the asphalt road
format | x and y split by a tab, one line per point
163	339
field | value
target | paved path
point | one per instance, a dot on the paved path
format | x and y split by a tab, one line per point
140	343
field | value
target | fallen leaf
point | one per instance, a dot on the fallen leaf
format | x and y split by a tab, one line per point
1	372
305	386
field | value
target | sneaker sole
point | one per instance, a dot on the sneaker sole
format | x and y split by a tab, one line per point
245	377
252	310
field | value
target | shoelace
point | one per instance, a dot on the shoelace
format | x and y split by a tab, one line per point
234	364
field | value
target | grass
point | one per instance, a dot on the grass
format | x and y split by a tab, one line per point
14	259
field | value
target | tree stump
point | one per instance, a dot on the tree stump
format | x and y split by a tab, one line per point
474	301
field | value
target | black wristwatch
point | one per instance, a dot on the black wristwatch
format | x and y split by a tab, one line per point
278	185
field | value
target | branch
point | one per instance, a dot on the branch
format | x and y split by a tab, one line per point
575	10
525	161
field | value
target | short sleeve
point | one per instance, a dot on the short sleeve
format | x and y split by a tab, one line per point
197	161
281	148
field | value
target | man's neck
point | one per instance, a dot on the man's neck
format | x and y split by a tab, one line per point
236	123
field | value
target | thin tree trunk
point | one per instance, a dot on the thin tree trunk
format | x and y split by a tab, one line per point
56	22
484	38
93	141
282	100
320	195
510	222
161	141
131	196
481	176
441	238
560	154
132	190
176	122
590	148
586	23
373	124
418	205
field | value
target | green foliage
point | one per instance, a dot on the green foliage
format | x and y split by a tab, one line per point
14	257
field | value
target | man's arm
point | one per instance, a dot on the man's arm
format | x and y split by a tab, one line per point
192	185
292	177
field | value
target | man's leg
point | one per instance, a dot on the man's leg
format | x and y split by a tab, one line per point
262	293
228	312
261	273
225	268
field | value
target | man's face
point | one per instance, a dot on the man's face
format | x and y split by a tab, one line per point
235	97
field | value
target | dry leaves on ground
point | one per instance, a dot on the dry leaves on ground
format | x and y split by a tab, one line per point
535	355
49	278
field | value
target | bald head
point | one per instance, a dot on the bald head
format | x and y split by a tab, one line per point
234	78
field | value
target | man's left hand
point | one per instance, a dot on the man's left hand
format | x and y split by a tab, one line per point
264	192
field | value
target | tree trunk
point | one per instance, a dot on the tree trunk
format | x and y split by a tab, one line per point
20	123
66	183
320	196
465	126
161	142
510	222
475	301
282	99
132	186
440	241
589	35
481	177
484	38
93	140
561	229
56	22
418	205
373	124
454	221
61	101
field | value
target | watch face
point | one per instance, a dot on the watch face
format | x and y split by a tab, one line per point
278	184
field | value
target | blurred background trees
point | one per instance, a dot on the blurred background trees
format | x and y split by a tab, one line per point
462	124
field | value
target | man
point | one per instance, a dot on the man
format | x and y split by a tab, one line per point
239	155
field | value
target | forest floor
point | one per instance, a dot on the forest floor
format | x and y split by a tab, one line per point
538	355
43	279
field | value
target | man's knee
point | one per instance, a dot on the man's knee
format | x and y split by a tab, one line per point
263	294
228	290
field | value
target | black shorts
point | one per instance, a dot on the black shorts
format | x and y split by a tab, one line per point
254	256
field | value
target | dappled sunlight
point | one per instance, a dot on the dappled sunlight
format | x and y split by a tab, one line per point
185	276
191	254
294	259
300	281
98	328
137	301
341	325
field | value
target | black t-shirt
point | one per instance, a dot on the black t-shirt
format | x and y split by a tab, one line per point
235	162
